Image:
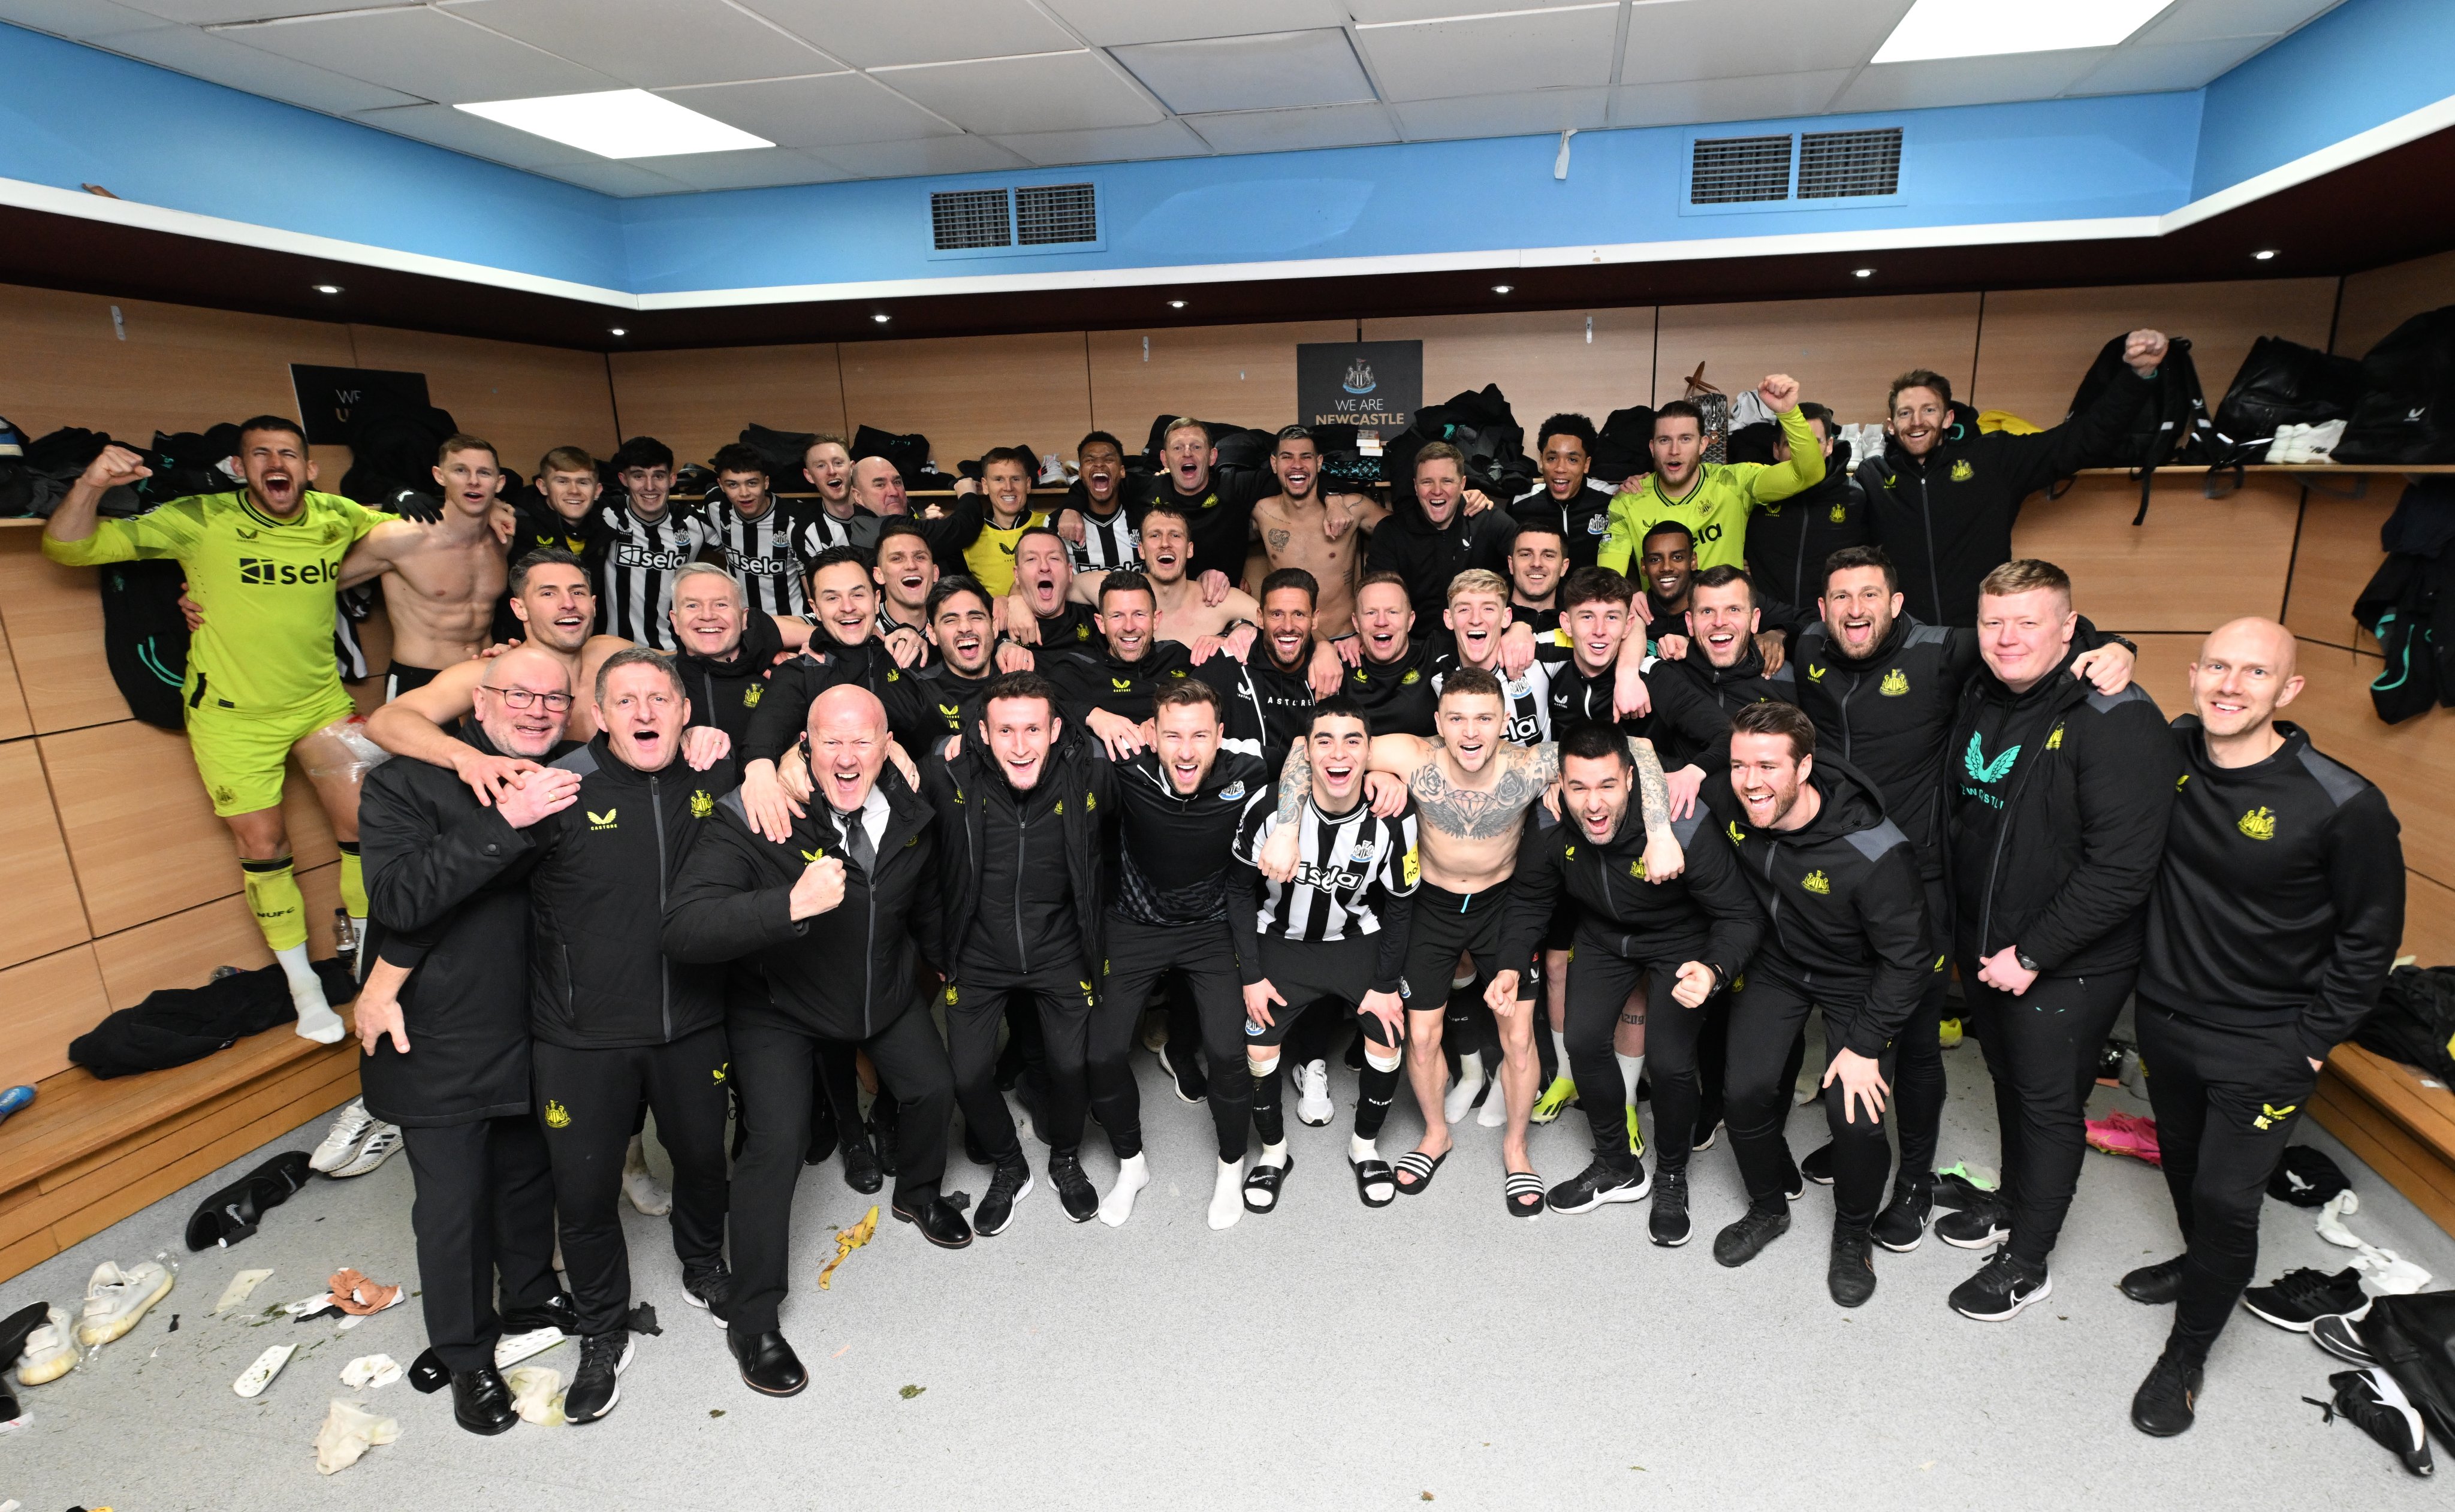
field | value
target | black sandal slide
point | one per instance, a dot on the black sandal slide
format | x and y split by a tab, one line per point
1369	1174
1421	1166
1263	1182
1523	1192
233	1213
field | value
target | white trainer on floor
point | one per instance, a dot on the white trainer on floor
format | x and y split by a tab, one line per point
1469	1081
350	1129
1313	1107
48	1355
115	1298
382	1139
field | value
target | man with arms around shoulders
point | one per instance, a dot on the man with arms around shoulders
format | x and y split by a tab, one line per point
1564	500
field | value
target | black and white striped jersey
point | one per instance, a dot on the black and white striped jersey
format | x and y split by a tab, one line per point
1528	694
761	553
1348	867
1108	543
635	578
821	532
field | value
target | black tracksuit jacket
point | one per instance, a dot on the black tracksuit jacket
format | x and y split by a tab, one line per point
1946	518
1080	781
598	975
1399	695
1705	914
2281	900
1174	850
1268	708
1581	525
782	712
1095	680
2057	800
1694	701
725	694
1845	914
1788	540
1427	555
846	973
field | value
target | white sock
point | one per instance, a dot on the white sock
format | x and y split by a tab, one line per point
1133	1174
1227	1194
1273	1154
1630	1067
1360	1149
1461	1097
316	1020
1560	1047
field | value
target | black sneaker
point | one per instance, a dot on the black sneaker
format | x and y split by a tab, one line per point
598	1383
1978	1225
2154	1285
1191	1087
1902	1226
2337	1337
1667	1223
1745	1239
1817	1167
1706	1132
1952	1189
1850	1274
1596	1184
2296	1298
2167	1401
2377	1405
2002	1287
712	1289
2109	1062
1074	1190
1011	1184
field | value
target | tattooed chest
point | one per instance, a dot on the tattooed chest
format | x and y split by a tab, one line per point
1471	813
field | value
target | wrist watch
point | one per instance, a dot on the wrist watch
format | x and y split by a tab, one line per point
2022	956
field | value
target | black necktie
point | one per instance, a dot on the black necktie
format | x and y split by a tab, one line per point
855	839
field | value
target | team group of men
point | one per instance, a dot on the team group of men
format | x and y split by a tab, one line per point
773	802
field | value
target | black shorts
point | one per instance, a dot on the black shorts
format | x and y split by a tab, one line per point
400	677
1562	934
1322	975
1445	926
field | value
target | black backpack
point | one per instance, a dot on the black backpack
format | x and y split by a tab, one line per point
2409	603
2171	426
2415	1021
910	454
144	637
2281	383
2406	413
393	439
780	452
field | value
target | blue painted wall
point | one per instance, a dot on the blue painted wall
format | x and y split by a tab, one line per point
2361	65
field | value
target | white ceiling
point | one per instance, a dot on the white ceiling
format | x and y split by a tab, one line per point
859	88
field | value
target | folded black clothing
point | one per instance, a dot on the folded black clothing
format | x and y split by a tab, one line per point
179	1024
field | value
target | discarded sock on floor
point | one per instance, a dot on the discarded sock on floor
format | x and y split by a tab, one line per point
370	1371
848	1239
176	1025
537	1395
235	1211
356	1294
2126	1134
348	1433
240	1285
2384	1272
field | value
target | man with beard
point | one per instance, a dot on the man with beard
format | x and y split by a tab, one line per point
447	1046
1270	697
1187	614
648	537
1713	499
905	571
831	918
1433	542
1109	694
1722	672
1300	528
1566	500
963	631
1100	500
839	519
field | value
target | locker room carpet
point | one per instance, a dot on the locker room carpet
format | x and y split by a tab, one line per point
1325	1356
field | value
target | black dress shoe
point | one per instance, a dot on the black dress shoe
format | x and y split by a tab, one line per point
882	1134
769	1364
939	1222
2154	1285
556	1312
860	1166
481	1402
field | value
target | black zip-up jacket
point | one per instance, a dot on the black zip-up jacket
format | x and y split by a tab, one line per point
1788	539
446	875
1267	708
2281	900
1399	695
1095	680
1694	701
1946	518
1220	518
952	698
1845	915
1578	700
1581	525
725	694
1706	913
846	973
1427	555
1174	850
1082	779
782	712
2057	800
599	976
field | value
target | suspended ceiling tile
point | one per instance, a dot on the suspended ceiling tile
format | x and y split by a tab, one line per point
422	52
1116	23
214	13
1370	11
935	155
1297	131
1968	81
2135	69
1711	39
1518	114
1275	70
1698	101
753	168
626	180
1492	54
871	35
210	56
653	43
2206	20
1063	91
78	20
1114	144
821	113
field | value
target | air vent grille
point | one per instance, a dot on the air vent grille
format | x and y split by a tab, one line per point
969	219
1738	170
1839	165
1048	215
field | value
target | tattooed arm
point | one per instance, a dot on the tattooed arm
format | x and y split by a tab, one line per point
1280	852
1663	859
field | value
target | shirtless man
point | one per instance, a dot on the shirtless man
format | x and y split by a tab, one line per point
445	577
1295	527
1471	789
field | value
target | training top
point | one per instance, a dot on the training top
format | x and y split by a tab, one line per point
635	576
1355	876
1716	508
761	553
2281	899
265	586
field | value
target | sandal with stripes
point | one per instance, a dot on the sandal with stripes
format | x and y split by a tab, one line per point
1523	1192
1372	1174
1421	1166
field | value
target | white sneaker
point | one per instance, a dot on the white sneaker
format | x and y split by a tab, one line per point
382	1139
1313	1106
115	1298
1460	1101
646	1193
48	1355
350	1129
2322	439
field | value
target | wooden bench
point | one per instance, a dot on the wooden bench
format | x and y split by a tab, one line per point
2401	1122
90	1152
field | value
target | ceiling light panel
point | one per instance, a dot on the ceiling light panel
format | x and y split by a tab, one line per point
1977	29
881	36
476	135
422	52
824	111
1118	23
1968	81
1278	70
1493	54
619	124
1063	92
654	42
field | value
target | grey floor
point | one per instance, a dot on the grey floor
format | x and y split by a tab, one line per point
1325	1356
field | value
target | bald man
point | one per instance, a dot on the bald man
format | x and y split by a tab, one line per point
2271	931
831	916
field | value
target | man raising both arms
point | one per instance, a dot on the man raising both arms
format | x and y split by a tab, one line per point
446	577
261	682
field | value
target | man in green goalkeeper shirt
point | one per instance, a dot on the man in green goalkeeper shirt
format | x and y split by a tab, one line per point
262	563
1710	498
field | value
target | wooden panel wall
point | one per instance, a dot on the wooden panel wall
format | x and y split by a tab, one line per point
1241	374
1540	358
1844	353
697	401
2036	344
2377	301
968	395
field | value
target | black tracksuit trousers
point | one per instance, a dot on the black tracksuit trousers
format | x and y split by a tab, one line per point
588	1097
1139	956
1062	1011
1766	1013
2226	1100
484	1205
1599	984
2041	1050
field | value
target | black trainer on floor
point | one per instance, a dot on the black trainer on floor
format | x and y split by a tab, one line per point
1817	1167
598	1384
2167	1402
711	1289
2154	1285
1596	1184
1978	1225
1902	1226
2002	1286
1074	1190
1667	1224
2298	1298
1011	1184
1745	1240
1850	1274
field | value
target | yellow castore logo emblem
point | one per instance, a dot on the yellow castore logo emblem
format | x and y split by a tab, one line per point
2055	738
2259	824
2270	1117
1736	836
557	1116
1814	672
718	1073
1815	882
813	857
1120	684
601	821
1895	684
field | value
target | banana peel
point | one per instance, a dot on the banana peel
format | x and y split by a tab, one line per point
848	1239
